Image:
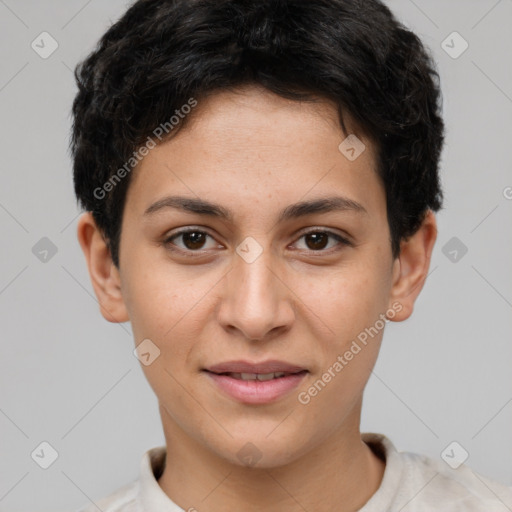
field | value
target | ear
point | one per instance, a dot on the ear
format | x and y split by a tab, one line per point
104	275
410	269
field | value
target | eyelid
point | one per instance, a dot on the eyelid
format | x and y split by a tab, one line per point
345	238
189	229
342	239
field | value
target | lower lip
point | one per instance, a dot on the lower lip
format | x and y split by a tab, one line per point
256	391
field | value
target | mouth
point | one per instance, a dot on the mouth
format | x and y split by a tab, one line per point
271	366
256	383
259	376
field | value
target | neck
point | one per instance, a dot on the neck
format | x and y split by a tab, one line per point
342	473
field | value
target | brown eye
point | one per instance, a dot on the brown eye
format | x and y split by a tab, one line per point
193	240
318	241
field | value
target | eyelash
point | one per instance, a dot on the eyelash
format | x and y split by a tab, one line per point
193	254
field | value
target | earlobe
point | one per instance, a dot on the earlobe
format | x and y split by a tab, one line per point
410	269
105	277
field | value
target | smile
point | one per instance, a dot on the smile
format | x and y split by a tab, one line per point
256	388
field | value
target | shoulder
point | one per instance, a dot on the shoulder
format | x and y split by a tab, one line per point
140	494
435	483
122	500
417	483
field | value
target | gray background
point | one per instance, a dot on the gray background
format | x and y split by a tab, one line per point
70	378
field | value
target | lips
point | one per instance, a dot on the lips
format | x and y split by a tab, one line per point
255	376
263	368
256	383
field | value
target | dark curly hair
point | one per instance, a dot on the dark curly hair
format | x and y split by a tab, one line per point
162	53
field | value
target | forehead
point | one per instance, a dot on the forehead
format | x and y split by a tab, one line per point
249	146
257	110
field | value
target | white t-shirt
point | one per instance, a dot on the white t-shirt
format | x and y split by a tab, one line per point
411	483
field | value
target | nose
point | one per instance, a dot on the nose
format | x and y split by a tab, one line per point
257	301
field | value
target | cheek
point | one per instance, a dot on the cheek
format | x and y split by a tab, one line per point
350	305
161	296
348	300
171	307
170	312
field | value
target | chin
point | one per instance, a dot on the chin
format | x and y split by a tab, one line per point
259	451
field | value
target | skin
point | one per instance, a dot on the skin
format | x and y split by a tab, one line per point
256	153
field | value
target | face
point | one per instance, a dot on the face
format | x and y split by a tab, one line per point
258	280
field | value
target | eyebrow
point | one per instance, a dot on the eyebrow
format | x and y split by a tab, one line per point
293	211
